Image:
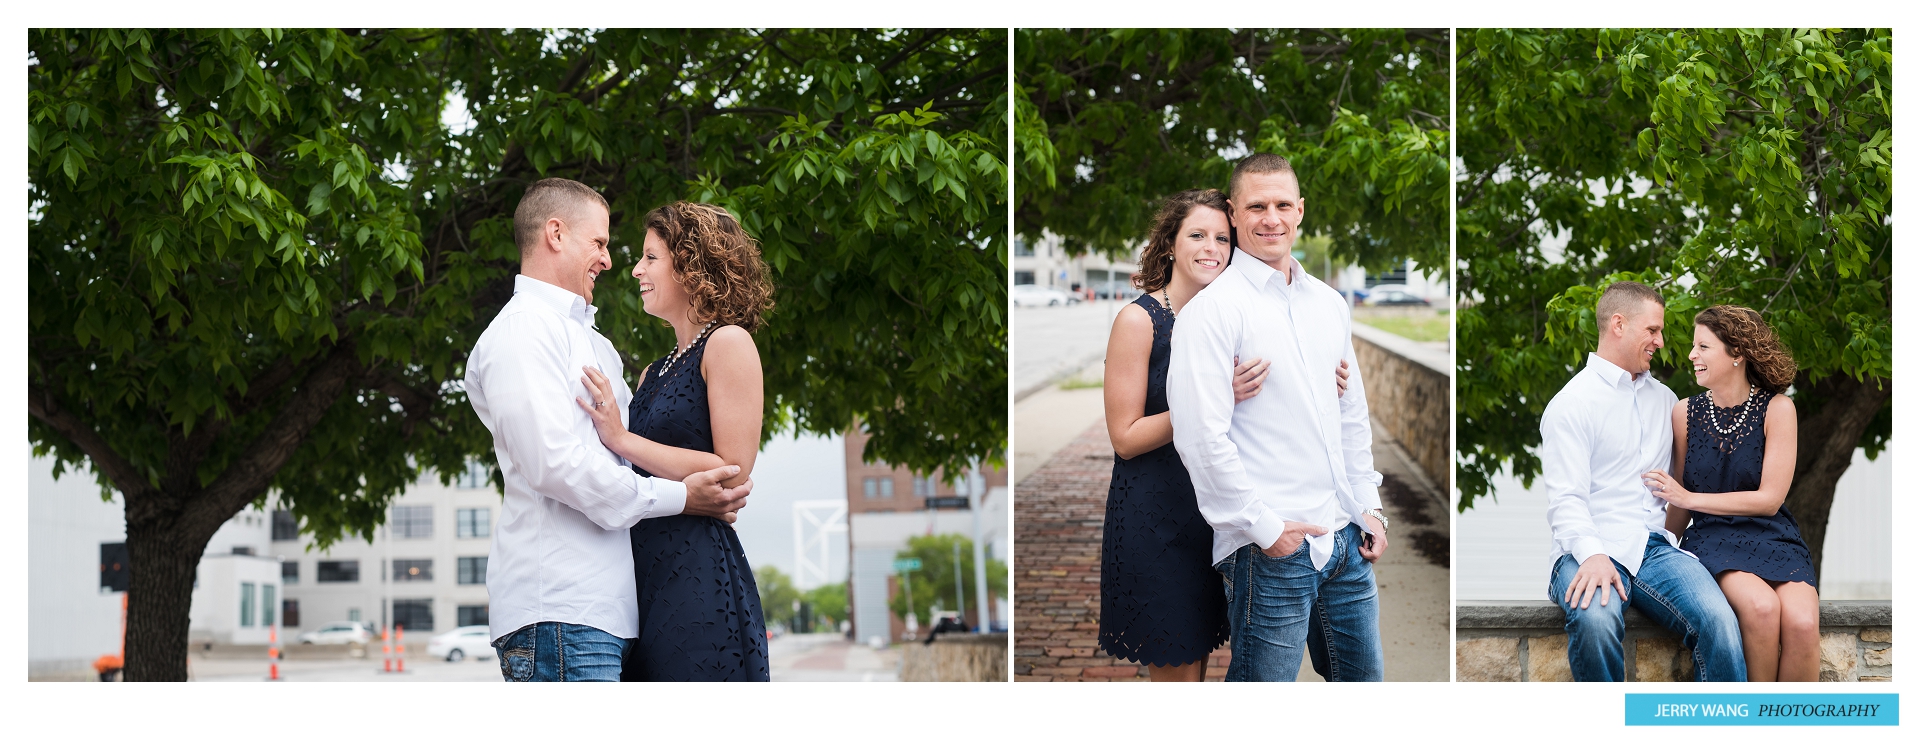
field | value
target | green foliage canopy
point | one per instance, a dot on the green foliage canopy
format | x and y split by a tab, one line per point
933	582
1750	167
1110	121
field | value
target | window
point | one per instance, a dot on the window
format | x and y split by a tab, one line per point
413	521
290	572
413	570
473	571
285	526
266	605
246	604
290	612
878	487
338	570
353	614
473	523
886	487
1023	277
414	615
922	487
472	616
1022	247
243	551
475	476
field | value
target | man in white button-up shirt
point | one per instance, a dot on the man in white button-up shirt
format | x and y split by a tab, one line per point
1285	478
1610	425
560	570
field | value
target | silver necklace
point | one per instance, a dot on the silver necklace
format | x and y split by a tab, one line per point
679	352
1746	406
1170	309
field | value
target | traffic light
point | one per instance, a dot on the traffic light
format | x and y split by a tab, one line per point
113	566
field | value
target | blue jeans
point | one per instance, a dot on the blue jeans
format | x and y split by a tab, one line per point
1276	606
550	652
1674	590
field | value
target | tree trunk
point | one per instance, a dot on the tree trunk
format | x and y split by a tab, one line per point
1834	413
164	553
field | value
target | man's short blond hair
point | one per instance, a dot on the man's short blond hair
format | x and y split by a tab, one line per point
1260	164
553	197
1624	298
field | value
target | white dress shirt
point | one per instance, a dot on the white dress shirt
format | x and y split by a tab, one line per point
1597	436
1298	451
560	551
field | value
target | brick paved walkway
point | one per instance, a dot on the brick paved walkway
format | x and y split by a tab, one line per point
1057	518
1059	513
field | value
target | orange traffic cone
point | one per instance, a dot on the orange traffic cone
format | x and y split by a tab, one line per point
386	650
400	648
273	653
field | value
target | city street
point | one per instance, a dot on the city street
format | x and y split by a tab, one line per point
822	658
1049	342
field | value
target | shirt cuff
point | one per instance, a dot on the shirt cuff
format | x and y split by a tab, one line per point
1367	494
1267	528
1585	547
669	497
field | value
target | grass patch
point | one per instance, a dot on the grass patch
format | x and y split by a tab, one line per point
1081	383
1432	327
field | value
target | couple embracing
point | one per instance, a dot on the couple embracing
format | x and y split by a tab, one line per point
1244	501
614	558
1678	508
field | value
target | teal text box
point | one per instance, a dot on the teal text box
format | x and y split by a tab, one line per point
1763	709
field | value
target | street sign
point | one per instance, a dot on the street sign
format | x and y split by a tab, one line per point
950	501
910	564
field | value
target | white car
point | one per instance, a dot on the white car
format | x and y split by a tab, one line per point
461	643
339	632
1025	295
1394	296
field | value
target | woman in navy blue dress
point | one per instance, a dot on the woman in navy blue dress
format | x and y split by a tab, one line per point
1161	602
698	407
1734	449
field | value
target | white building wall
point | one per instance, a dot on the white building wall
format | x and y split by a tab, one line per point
322	602
70	620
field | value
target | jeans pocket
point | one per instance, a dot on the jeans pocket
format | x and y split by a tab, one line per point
516	664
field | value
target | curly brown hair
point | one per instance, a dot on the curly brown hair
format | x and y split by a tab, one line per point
718	263
1747	336
1156	259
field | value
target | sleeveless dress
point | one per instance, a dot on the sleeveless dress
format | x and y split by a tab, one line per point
700	617
1161	602
1769	547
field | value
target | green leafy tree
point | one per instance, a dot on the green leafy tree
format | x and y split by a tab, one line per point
257	258
1110	121
778	596
829	602
933	584
1721	166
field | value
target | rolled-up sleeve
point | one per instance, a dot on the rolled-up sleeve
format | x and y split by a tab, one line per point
1567	472
521	388
1356	435
1200	397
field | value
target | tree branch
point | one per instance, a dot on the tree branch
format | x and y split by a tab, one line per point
256	467
42	405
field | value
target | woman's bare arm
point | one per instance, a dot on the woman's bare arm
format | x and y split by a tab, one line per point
1129	348
735	397
1776	470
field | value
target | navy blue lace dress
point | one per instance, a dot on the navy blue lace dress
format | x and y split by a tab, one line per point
1770	547
1161	602
700	616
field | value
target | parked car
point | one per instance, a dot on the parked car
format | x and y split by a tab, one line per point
461	643
1025	295
338	632
1394	296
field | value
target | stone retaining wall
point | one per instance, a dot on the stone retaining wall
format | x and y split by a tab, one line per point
955	658
1409	391
1525	641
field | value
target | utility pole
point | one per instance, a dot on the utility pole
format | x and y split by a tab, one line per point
959	582
976	489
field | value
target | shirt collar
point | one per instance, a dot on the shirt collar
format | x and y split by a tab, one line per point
1614	374
561	300
1260	273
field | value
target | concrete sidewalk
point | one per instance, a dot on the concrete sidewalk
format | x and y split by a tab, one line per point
1062	465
